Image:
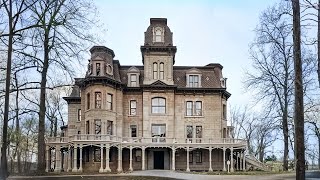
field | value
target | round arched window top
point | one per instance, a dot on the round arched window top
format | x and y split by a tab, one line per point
109	69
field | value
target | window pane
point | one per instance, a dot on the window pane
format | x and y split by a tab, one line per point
133	104
133	77
97	123
162	102
109	101
189	131
133	130
198	108
109	127
161	66
79	114
198	131
133	107
98	100
88	101
98	69
189	108
155	67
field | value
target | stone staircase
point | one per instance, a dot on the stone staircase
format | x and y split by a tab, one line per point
253	162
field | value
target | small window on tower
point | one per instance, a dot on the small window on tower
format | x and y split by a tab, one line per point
161	72
98	69
158	34
155	70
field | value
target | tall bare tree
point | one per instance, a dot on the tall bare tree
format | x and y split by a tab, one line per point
63	35
298	84
271	53
13	11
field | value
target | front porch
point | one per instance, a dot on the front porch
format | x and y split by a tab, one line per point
102	153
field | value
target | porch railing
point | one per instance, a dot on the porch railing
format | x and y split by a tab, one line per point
113	138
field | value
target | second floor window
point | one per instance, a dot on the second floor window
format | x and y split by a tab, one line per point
224	112
79	114
193	81
158	105
194	108
109	101
189	132
109	127
98	100
133	107
87	127
133	129
97	123
88	101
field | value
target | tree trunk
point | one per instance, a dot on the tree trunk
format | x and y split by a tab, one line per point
4	165
42	111
285	130
17	125
319	41
298	101
319	152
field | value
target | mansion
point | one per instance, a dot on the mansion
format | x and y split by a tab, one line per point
150	116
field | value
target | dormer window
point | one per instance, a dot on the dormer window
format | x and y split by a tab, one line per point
223	82
109	69
133	80
98	69
193	78
133	77
158	34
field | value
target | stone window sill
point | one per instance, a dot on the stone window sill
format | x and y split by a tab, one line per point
194	116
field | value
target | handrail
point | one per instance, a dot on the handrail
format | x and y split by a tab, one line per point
157	139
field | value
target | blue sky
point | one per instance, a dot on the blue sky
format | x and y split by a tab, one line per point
204	31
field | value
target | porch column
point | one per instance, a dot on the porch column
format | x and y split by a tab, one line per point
224	159
101	160
173	159
143	149
231	160
47	158
130	159
80	168
244	161
69	159
237	161
210	159
107	169
119	159
58	160
75	164
188	169
240	160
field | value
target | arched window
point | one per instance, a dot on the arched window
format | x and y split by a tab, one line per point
161	72
155	70
158	34
158	105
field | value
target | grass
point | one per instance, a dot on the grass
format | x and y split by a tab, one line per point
242	173
108	177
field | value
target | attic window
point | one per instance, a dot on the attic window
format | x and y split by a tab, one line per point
158	34
223	82
109	69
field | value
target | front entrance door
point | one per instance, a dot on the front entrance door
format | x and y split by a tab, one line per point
158	159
